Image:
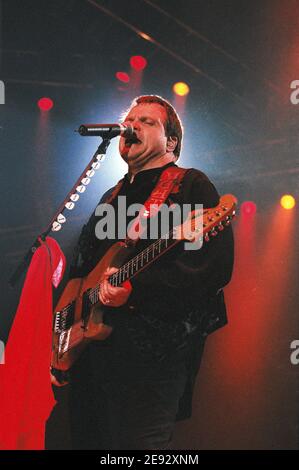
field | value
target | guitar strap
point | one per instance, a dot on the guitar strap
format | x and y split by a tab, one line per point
169	183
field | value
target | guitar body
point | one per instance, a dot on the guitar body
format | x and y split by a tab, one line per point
68	343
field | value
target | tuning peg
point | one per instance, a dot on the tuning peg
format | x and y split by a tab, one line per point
213	232
227	221
220	227
207	238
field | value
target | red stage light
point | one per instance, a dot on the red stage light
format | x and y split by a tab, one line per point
248	208
122	77
138	62
45	104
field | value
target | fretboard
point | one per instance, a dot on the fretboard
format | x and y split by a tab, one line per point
136	264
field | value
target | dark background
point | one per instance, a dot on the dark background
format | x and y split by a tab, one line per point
239	59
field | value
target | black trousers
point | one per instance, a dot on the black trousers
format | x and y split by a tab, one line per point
125	411
139	415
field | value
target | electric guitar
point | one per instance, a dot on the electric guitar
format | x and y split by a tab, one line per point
78	317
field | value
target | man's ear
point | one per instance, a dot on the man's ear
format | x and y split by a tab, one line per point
172	142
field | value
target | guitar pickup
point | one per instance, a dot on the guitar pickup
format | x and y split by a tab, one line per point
64	319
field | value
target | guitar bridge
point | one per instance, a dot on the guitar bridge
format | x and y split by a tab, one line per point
63	344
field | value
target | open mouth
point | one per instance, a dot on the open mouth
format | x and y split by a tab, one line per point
132	140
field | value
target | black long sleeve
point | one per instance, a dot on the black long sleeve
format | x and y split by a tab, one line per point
201	271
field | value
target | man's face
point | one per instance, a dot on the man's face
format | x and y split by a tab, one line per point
147	120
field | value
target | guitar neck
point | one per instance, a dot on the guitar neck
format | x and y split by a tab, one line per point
136	264
142	260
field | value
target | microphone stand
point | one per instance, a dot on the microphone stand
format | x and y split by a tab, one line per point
68	204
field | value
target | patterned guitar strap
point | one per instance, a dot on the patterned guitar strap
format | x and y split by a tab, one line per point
169	183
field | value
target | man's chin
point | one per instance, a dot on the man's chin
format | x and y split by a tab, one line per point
133	154
130	153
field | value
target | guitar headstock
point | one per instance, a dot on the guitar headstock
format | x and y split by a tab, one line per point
206	223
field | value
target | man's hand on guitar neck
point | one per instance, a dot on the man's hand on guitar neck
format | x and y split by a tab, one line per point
111	296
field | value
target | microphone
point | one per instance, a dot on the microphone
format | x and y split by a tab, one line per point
106	130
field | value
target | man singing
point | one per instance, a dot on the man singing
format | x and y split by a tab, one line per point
128	391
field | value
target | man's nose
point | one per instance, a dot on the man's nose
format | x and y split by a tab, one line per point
136	125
